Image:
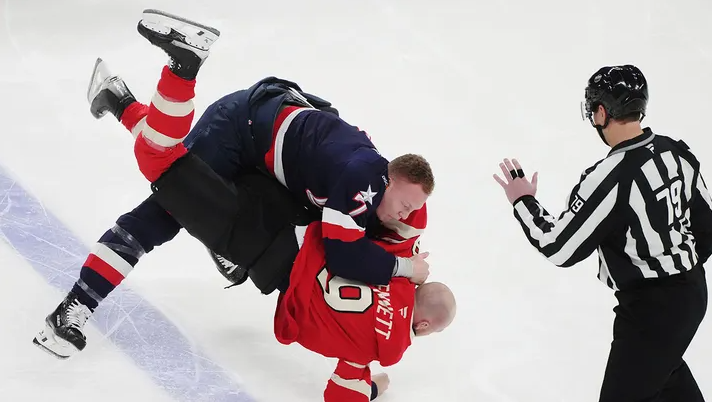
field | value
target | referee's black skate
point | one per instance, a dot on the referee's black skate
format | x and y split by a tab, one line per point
186	42
107	92
63	334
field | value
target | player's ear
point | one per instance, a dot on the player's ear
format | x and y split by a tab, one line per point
422	325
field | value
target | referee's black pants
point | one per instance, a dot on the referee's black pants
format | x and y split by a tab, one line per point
654	325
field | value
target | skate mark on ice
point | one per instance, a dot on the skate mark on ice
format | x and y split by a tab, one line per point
125	318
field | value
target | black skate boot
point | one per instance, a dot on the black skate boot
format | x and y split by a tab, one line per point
63	334
186	42
107	92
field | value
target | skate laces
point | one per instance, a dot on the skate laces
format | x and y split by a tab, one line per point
226	264
77	314
173	64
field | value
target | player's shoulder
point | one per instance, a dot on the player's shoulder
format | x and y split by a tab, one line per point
628	159
398	295
676	146
405	288
418	219
608	167
367	165
410	227
398	298
367	155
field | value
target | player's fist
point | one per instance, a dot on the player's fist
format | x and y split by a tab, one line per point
382	382
421	268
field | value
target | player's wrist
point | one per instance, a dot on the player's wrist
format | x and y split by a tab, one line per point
403	267
523	198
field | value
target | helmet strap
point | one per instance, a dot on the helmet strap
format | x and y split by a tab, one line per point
600	128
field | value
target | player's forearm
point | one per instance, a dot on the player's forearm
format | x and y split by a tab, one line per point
537	223
362	260
349	383
575	234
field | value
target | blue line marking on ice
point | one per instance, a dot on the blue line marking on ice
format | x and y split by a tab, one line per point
138	329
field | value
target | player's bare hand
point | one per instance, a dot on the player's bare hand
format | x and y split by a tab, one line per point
515	183
421	268
382	382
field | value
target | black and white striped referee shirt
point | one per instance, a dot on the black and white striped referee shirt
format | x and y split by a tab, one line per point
645	208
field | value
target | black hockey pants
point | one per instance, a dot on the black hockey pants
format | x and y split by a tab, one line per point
654	325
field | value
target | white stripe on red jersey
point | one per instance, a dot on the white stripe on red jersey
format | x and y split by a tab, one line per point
356	385
350	382
404	230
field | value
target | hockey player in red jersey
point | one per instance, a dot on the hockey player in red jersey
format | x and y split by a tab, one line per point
355	322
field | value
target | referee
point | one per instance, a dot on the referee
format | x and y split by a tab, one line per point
646	209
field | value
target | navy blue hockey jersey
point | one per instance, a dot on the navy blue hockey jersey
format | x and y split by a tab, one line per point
334	166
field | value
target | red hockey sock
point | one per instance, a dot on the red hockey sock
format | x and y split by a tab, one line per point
167	123
132	116
152	161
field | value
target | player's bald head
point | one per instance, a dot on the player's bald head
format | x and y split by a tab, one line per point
434	305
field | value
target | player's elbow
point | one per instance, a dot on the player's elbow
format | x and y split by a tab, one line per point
564	265
560	261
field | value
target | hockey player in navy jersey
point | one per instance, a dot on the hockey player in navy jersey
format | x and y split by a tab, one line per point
330	167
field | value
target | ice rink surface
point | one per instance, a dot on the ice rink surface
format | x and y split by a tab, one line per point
465	83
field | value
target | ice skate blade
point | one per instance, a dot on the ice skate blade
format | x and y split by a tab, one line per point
150	14
49	343
99	76
196	35
48	351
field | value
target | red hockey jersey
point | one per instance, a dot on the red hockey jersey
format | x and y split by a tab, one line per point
348	320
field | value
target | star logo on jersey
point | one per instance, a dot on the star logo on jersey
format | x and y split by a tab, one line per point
363	197
366	196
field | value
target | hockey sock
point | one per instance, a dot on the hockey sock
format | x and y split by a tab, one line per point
134	118
119	249
111	259
167	123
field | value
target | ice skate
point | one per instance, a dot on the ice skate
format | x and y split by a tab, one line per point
63	334
232	272
186	42
107	92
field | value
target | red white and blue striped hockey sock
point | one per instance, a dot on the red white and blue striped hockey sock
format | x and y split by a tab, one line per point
168	122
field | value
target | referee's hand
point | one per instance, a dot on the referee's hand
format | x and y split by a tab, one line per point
515	184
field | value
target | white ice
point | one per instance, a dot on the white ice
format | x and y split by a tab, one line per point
463	82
